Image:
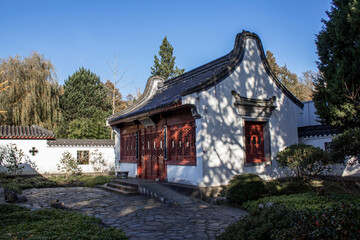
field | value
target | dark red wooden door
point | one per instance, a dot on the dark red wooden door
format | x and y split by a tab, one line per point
254	146
151	145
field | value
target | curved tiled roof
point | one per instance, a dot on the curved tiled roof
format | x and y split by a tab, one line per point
25	132
317	130
169	93
81	143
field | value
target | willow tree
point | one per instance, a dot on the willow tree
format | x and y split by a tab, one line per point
32	96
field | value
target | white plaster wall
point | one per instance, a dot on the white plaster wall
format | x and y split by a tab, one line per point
222	128
308	116
48	157
117	148
128	167
316	141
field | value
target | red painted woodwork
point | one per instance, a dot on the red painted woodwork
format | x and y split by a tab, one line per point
254	142
151	164
128	147
182	144
152	144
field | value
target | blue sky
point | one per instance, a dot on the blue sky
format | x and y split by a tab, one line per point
75	34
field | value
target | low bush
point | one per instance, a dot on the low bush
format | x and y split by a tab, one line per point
304	160
244	187
304	201
20	223
292	186
279	222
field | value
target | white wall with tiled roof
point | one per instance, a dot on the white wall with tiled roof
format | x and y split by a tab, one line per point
47	157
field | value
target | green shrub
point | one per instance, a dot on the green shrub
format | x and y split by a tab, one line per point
244	187
274	188
281	223
345	144
304	201
303	160
68	164
21	223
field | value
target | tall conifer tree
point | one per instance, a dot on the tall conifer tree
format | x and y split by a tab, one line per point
337	91
85	106
164	65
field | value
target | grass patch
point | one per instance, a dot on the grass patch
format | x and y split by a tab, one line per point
21	183
20	223
81	180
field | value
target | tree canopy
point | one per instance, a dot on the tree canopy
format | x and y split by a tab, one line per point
119	103
85	105
337	90
301	87
164	65
32	94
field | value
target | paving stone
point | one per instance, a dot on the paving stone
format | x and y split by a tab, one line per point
138	216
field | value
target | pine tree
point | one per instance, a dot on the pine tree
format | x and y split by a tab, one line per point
32	94
337	90
85	106
164	65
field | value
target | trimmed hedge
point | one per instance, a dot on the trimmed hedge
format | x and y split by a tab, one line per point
282	223
244	187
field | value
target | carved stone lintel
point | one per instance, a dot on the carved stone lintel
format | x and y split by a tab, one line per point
250	107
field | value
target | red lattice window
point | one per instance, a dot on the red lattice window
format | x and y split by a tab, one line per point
181	144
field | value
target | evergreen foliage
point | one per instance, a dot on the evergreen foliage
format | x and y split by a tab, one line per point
301	87
85	106
244	187
164	65
345	145
337	91
32	94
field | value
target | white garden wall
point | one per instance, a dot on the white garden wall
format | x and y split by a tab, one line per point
47	157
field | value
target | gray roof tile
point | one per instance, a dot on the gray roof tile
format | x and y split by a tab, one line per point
25	132
81	143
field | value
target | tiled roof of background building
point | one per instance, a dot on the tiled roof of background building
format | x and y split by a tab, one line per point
81	143
25	132
317	130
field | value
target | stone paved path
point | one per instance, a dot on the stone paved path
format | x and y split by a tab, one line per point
140	217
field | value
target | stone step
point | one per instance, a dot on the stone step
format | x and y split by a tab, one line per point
117	190
125	182
129	188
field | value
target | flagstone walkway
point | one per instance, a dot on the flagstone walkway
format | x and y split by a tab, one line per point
140	217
